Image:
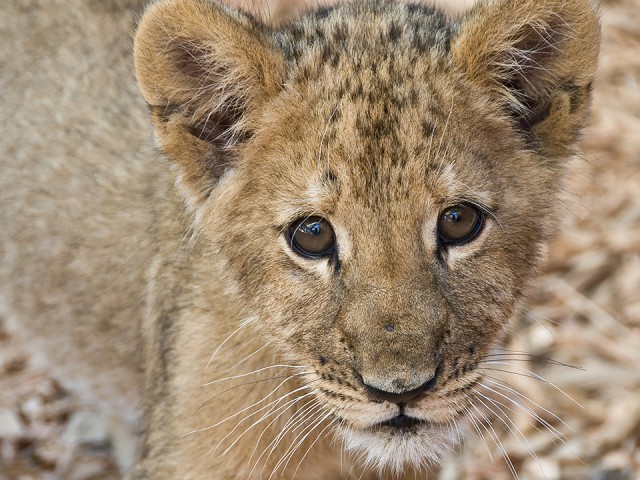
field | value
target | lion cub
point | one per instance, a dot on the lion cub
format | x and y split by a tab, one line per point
339	222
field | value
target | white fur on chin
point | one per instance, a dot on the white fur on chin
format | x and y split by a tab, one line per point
418	448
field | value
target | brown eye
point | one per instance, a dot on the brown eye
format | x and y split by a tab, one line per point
459	224
312	237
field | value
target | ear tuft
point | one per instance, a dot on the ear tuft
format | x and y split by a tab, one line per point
538	57
206	71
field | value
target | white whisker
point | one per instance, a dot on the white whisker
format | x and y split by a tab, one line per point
292	449
468	414
287	377
249	356
233	377
519	433
283	408
215	352
278	400
300	413
311	446
303	421
496	439
536	417
535	376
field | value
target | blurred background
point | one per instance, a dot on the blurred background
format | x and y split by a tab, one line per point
568	423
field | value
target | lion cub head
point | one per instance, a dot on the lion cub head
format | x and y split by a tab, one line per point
380	182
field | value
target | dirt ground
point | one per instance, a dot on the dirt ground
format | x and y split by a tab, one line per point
567	423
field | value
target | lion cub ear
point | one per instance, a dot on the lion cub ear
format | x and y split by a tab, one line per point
205	72
538	57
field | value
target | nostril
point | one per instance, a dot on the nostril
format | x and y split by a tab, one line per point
399	395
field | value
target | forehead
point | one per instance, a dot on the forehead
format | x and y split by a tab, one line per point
361	27
373	101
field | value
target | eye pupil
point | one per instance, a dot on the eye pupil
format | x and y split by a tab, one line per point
312	237
459	224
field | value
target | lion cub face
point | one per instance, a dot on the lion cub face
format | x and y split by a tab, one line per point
380	183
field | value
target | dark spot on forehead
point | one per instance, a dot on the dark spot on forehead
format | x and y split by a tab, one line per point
330	179
340	33
428	129
323	12
395	31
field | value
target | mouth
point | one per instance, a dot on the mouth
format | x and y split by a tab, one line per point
401	422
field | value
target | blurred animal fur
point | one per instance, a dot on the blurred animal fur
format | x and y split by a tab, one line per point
189	305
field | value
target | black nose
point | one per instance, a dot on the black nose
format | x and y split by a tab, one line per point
401	397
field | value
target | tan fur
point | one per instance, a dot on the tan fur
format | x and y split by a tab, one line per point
376	116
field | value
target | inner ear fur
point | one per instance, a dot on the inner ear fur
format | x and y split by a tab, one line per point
205	71
538	57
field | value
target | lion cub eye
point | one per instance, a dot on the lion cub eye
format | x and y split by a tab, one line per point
312	237
459	224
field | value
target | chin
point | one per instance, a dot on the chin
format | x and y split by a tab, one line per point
391	449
